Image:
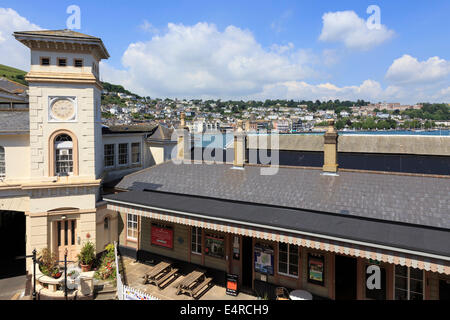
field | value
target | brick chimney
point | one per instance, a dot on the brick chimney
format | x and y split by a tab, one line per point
239	146
182	136
330	164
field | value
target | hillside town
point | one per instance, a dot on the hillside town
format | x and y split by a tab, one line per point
282	116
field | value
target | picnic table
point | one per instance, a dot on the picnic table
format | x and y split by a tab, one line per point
160	273
193	283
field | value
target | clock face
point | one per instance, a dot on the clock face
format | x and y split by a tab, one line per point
63	110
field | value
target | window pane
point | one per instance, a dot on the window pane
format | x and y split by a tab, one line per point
401	271
416	286
73	232
283	247
136	152
66	231
293	269
415	296
123	153
400	294
416	274
401	282
282	267
59	233
283	257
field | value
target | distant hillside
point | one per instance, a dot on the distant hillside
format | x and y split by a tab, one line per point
19	76
13	74
117	88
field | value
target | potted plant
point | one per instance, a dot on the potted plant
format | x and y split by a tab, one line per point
86	256
48	264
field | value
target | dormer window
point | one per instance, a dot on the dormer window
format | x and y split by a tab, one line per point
62	62
45	61
78	63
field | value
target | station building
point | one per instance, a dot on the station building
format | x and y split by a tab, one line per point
337	204
314	228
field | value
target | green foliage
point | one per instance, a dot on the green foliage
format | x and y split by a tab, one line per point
107	269
116	88
430	111
107	99
48	263
87	254
13	74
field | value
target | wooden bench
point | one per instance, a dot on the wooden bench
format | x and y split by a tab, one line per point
167	276
193	283
156	271
200	286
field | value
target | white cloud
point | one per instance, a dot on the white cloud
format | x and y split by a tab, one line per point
148	27
202	61
368	90
12	52
348	28
408	70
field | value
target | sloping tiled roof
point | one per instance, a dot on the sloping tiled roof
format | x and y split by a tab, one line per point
14	121
161	133
11	86
407	199
128	129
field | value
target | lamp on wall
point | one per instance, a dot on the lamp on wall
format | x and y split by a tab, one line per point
63	217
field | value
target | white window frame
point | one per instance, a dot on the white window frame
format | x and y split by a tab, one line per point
68	149
197	235
3	163
139	152
298	261
119	154
134	226
113	155
408	280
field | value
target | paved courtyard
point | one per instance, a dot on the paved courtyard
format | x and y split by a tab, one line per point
134	271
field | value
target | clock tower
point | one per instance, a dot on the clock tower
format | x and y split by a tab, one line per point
66	148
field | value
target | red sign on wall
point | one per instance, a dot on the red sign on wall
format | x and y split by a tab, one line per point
162	237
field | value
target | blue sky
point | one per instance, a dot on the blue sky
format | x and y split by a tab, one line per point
152	47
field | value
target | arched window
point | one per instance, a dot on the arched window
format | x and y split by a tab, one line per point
2	163
63	155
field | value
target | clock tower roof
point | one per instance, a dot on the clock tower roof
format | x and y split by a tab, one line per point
67	40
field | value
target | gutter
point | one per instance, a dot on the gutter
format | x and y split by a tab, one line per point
384	247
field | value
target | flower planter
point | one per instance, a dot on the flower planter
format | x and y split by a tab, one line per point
86	267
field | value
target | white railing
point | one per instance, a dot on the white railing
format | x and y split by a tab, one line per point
125	292
119	282
130	293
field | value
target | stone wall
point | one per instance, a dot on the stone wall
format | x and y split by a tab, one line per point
389	144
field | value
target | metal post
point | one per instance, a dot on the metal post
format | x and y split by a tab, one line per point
65	273
34	274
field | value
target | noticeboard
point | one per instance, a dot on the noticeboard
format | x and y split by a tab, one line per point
232	284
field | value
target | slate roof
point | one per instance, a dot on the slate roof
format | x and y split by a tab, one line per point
408	237
14	121
161	132
128	129
417	200
11	86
